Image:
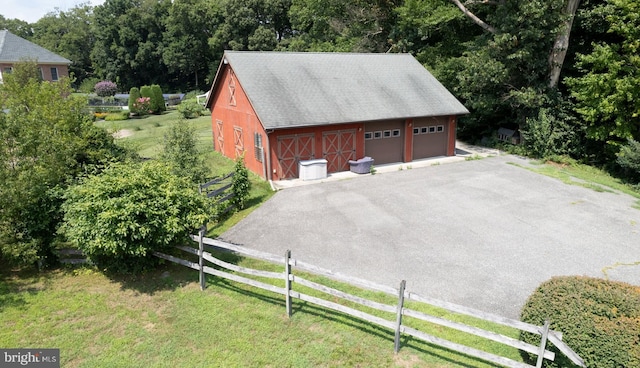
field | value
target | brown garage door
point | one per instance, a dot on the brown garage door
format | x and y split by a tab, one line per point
384	141
292	149
430	138
338	147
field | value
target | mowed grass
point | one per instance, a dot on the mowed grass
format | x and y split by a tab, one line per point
162	319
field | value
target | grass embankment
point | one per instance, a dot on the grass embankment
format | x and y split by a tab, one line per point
586	176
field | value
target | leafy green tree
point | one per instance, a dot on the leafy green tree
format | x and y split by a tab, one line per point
69	34
241	185
607	93
18	27
180	151
189	25
129	41
47	141
357	25
259	24
121	216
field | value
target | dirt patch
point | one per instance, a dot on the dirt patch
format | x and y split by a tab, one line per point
123	133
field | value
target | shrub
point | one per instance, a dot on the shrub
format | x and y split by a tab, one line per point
157	100
181	152
106	88
142	106
241	184
88	85
193	94
134	94
190	109
118	218
117	116
629	160
599	319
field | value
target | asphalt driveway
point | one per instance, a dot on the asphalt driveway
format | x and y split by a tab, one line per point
483	233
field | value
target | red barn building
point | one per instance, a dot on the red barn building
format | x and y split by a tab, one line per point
281	108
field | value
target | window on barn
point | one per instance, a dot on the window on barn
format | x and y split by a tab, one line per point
368	135
257	143
232	90
395	133
54	73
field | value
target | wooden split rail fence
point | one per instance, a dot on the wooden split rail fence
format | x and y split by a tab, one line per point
221	190
399	310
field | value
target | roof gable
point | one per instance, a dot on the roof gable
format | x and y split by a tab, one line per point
15	49
288	89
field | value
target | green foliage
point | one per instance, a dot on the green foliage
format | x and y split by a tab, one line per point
241	184
190	109
47	142
119	217
87	86
134	95
550	134
157	100
117	116
181	152
599	319
608	91
629	159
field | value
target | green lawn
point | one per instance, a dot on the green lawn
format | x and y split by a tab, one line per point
162	319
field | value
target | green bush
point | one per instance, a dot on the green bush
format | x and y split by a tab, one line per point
599	319
117	116
134	95
190	109
629	160
157	100
87	86
241	184
192	94
180	150
118	218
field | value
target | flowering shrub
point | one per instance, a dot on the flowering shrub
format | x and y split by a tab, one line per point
105	88
142	106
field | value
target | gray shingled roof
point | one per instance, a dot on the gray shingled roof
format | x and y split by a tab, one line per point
304	89
14	49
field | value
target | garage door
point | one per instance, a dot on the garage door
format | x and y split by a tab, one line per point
384	141
292	149
429	139
338	147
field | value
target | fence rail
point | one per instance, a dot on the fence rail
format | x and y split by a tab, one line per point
399	310
221	189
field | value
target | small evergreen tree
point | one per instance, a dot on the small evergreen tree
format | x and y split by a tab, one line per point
134	95
157	100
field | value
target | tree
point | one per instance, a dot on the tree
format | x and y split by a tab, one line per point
47	141
180	151
69	34
18	27
189	25
121	216
607	93
129	42
157	100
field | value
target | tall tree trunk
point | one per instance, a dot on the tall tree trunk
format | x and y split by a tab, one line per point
560	46
474	18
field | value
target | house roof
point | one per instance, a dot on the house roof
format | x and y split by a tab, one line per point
14	49
288	89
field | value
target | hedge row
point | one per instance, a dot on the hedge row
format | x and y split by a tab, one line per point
599	319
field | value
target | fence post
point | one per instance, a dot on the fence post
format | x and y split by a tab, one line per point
200	256
399	315
543	343
287	282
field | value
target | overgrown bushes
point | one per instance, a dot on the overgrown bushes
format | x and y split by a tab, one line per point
118	218
190	109
599	319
